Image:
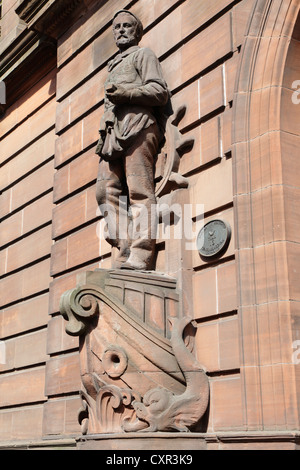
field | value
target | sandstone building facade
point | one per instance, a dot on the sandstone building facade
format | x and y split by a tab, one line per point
236	65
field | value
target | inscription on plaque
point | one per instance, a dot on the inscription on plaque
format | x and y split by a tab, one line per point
213	238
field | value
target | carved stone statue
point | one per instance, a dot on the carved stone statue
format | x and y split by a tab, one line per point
139	373
131	133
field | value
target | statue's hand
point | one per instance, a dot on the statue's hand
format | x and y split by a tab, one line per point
117	94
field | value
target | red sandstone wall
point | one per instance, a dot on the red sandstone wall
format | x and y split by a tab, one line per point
48	231
26	180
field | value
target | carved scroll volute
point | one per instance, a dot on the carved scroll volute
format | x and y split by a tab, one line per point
77	306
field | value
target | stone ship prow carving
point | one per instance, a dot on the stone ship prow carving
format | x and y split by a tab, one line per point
136	369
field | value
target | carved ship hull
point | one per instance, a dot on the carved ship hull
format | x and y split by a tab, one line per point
129	353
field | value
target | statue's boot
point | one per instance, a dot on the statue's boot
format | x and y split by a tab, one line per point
122	256
141	259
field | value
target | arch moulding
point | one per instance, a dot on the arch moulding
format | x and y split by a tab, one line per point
266	187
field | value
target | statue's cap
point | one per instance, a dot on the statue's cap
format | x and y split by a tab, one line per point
129	13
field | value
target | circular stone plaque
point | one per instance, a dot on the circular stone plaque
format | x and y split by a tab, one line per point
213	238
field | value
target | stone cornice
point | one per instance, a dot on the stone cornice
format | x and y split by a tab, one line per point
51	17
17	51
34	49
27	56
29	9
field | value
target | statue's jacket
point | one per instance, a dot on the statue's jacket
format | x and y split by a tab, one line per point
139	73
